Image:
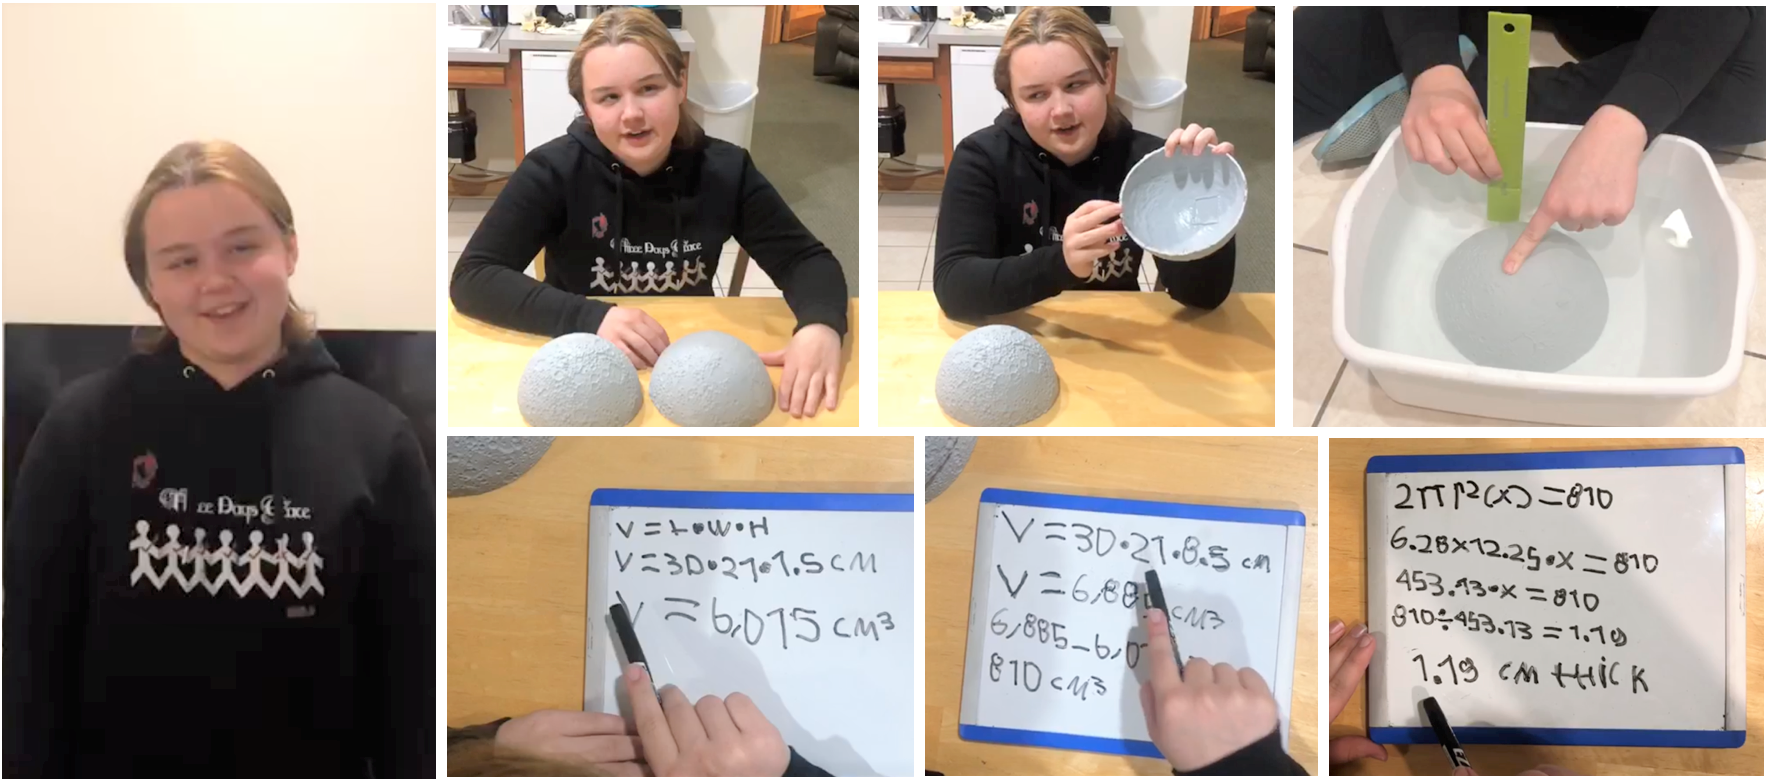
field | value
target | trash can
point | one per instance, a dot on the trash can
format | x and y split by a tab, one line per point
1155	104
726	110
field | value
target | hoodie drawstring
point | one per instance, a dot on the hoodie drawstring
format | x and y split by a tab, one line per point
675	236
1044	206
618	257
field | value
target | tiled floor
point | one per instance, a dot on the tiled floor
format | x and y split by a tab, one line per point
1331	392
464	214
906	223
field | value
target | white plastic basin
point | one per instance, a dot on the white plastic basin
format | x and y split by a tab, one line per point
1679	272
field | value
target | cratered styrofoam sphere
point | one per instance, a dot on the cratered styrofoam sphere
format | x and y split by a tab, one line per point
1543	318
482	463
945	458
579	380
996	376
711	379
1183	207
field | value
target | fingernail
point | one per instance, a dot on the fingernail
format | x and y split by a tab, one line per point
1361	629
1366	640
1335	629
633	674
1154	616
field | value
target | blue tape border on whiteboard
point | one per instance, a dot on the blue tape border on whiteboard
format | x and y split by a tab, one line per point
1578	737
1548	461
776	501
1144	507
1038	738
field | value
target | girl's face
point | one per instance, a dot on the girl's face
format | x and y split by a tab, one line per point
218	269
631	104
1058	98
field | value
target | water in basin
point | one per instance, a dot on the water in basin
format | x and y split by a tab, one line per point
1664	287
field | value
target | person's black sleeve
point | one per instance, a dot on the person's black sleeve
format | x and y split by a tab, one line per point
489	284
484	731
1264	757
1424	37
969	279
45	589
801	767
806	272
1201	283
1680	51
397	616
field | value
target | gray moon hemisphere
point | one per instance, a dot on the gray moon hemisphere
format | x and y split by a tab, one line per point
1183	207
711	379
478	464
1543	318
579	380
945	457
996	376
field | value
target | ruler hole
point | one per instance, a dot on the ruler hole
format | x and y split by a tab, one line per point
1509	28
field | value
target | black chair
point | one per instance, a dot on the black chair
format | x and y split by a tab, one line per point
837	43
1261	41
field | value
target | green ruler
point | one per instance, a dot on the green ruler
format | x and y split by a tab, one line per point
1507	98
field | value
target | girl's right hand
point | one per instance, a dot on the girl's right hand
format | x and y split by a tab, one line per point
729	737
634	332
1086	237
1444	127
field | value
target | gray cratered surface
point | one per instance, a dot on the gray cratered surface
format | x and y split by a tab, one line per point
945	458
996	376
711	379
1183	207
579	380
482	463
1543	319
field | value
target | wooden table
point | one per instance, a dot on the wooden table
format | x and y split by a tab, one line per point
1262	472
518	559
485	362
1125	359
1346	600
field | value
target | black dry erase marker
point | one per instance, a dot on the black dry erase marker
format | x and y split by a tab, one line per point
1445	734
1157	600
629	640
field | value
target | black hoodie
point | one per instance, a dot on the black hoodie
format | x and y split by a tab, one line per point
208	582
999	246
608	231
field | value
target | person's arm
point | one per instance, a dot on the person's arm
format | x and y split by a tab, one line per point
489	284
806	272
397	615
1200	283
45	590
1423	37
1264	757
1678	54
969	279
798	766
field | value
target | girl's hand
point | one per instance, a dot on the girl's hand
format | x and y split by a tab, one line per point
729	737
1210	713
1086	236
1194	140
1350	654
1444	127
1593	185
812	378
634	332
587	738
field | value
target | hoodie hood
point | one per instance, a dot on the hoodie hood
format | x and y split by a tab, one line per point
1045	190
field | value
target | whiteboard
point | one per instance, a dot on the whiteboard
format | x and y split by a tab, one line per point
803	602
1054	655
1590	598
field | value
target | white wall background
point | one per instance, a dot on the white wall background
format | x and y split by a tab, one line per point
340	106
1157	44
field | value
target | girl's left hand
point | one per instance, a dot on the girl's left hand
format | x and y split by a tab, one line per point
1194	140
812	378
